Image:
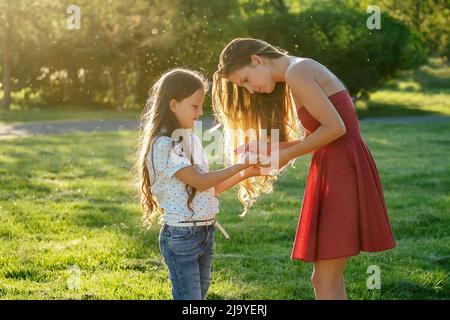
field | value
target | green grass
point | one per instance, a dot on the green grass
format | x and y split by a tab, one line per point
17	114
70	200
424	91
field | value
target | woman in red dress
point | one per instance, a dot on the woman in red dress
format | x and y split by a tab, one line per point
343	210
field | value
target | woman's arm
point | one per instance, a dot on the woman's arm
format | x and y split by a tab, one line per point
265	148
304	87
285	145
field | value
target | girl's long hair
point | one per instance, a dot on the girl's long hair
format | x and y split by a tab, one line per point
157	119
236	109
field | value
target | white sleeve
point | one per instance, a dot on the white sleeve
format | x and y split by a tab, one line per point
159	153
177	160
168	159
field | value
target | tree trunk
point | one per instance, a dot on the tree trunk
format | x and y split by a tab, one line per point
140	86
7	62
6	82
417	15
118	95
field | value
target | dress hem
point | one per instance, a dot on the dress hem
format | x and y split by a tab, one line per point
342	256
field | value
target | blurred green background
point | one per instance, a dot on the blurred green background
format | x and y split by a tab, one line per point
121	47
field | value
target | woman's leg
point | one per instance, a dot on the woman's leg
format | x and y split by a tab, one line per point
328	279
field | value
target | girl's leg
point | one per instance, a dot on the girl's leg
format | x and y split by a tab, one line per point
180	253
328	279
206	261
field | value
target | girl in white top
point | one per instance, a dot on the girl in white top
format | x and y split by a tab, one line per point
176	186
170	191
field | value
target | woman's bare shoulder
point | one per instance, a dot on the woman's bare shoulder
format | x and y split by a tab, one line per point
301	69
307	69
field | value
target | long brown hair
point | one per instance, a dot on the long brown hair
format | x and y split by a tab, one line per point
157	119
237	109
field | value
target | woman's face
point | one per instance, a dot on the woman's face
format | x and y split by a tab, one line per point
256	77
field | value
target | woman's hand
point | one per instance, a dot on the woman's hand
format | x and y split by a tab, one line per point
254	146
277	160
262	157
249	159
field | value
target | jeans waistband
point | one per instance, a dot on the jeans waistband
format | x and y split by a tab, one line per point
193	223
199	223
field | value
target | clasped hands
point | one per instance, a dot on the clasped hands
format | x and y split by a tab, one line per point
267	159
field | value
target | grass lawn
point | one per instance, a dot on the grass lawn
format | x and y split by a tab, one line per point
70	201
424	91
49	114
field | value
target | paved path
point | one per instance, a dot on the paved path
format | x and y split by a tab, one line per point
59	127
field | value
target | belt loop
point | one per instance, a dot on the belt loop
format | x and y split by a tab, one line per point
222	230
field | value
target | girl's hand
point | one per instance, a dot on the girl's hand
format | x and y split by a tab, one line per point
252	147
251	160
257	171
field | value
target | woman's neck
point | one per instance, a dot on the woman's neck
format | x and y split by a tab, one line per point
280	65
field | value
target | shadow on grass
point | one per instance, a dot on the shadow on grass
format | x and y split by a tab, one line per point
412	290
376	109
433	77
26	274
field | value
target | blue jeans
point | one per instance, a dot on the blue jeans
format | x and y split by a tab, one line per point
187	252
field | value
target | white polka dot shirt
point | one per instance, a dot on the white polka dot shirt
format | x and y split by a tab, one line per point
170	192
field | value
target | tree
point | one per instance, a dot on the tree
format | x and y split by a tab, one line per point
118	33
429	19
6	21
22	34
338	38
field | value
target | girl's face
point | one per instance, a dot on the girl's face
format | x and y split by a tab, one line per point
188	110
256	77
